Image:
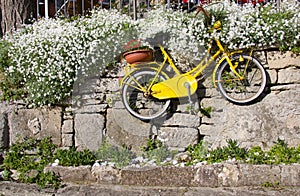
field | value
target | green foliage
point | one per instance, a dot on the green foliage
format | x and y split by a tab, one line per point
256	155
6	174
48	178
71	157
231	151
120	156
198	152
43	67
155	150
206	111
4	58
216	13
280	153
10	85
271	184
286	20
29	157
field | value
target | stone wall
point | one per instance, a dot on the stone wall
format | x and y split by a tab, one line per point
98	113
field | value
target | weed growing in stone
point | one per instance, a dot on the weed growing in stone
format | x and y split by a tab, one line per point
206	111
155	150
280	153
120	156
71	157
271	185
28	158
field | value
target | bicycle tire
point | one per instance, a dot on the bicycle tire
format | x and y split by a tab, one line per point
246	90
134	99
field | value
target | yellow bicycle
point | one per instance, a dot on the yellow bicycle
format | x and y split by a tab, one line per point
147	88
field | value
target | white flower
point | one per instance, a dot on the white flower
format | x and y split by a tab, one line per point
56	162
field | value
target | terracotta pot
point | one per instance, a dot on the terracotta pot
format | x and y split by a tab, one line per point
142	55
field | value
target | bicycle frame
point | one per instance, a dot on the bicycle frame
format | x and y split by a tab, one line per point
184	84
175	87
148	87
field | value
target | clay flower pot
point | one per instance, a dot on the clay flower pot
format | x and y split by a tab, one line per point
140	55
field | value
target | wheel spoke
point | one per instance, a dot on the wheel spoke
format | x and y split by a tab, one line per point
140	103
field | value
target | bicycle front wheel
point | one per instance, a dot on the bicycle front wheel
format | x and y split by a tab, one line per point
247	88
139	102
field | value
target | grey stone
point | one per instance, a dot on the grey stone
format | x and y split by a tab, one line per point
158	176
85	86
4	131
80	174
16	189
38	123
206	129
178	138
215	179
257	175
67	126
106	174
229	175
273	76
279	60
8	107
124	129
263	122
182	119
290	175
285	87
207	176
114	72
108	85
67	140
34	126
99	108
289	75
88	130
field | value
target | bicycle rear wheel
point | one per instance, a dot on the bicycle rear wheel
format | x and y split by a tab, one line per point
246	90
139	103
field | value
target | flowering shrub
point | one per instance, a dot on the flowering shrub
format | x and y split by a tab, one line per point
134	45
47	57
242	27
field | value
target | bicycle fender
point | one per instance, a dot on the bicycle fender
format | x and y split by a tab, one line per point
138	68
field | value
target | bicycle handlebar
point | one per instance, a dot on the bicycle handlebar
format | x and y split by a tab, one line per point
217	25
199	9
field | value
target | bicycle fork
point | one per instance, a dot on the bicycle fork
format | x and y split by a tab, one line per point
233	67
